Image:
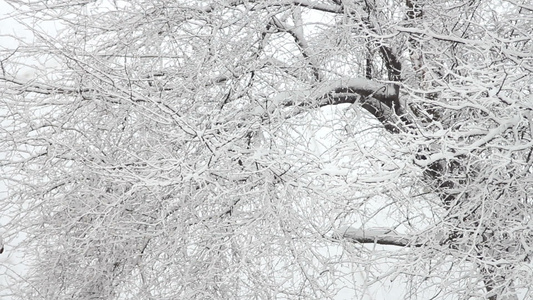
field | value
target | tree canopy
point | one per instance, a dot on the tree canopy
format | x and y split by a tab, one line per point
270	149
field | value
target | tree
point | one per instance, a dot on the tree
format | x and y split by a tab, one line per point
272	149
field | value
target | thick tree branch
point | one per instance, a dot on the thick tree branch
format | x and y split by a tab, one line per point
338	91
319	6
377	98
380	236
297	33
392	63
303	3
394	67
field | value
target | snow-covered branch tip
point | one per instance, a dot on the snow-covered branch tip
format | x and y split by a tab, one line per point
381	236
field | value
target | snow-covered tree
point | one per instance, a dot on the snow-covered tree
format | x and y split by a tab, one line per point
270	149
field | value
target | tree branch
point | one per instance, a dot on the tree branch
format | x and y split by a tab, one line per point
380	236
379	99
318	6
298	34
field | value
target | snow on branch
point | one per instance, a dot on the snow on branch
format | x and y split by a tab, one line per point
381	236
338	91
379	99
384	92
314	5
